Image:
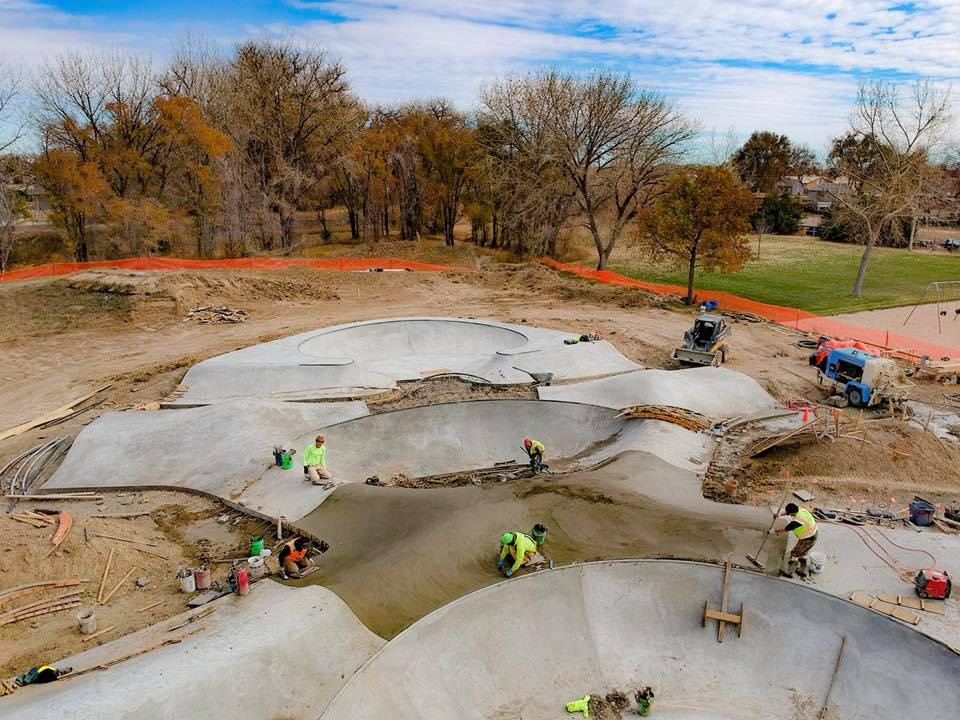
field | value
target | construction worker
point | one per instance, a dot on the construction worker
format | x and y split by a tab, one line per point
518	547
535	450
294	557
42	674
315	462
804	526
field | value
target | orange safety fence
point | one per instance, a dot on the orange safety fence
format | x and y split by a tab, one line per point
800	320
252	263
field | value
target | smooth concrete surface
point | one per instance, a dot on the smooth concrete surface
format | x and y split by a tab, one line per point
370	357
222	449
853	566
524	647
278	652
713	391
454	437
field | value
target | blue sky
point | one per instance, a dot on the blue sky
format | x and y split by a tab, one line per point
753	64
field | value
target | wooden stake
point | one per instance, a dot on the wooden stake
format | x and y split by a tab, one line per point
98	634
279	527
151	554
103	580
150	607
122	580
129	540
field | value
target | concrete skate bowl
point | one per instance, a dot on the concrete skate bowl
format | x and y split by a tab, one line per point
522	648
465	436
391	339
370	358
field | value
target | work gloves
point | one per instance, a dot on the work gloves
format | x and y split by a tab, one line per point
509	572
500	565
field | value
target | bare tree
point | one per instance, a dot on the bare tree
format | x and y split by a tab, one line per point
12	206
530	196
885	157
615	142
291	115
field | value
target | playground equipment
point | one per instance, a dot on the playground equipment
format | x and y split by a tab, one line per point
937	288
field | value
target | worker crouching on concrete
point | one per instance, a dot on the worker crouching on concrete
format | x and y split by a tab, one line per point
535	450
315	462
804	526
294	557
516	548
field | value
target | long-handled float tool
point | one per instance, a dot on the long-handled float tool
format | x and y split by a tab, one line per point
755	559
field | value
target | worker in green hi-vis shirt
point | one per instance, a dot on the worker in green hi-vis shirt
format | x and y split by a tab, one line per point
315	463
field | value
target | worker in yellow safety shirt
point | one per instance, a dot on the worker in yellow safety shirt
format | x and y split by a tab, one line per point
315	463
518	548
535	450
804	526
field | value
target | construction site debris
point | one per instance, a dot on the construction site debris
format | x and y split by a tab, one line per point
678	416
66	522
98	633
803	495
55	414
211	314
103	580
118	585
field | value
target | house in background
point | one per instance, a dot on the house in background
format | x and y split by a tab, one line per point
814	192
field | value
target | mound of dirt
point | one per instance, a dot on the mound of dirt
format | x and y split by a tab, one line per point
895	463
528	279
189	288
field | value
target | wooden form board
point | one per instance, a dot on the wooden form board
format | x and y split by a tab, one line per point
886	608
935	606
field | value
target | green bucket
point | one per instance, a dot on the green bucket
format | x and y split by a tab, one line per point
538	533
256	545
286	462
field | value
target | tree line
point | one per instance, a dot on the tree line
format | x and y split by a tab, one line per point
222	153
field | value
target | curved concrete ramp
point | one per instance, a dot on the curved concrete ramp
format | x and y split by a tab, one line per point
370	357
278	652
455	437
713	391
220	449
522	648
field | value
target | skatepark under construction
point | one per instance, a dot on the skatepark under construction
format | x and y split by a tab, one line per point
406	617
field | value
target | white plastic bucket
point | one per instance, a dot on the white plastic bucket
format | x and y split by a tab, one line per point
188	583
255	564
88	621
816	561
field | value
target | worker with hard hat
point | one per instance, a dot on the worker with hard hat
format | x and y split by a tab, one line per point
535	450
515	548
804	526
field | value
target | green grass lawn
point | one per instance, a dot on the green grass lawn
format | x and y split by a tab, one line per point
814	275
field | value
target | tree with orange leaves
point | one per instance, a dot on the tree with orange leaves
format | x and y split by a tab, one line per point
699	221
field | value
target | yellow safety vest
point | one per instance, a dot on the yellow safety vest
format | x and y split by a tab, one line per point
808	526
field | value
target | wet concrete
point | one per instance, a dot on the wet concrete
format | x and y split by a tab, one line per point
525	647
398	553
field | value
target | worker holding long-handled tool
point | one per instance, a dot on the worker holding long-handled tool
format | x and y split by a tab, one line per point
804	526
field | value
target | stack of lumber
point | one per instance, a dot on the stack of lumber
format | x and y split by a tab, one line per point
66	601
38	520
678	416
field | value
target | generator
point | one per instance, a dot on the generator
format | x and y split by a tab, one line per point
933	584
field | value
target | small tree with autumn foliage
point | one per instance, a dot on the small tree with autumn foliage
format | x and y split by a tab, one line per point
700	220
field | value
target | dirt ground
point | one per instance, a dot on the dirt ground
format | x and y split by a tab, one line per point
63	337
924	323
182	528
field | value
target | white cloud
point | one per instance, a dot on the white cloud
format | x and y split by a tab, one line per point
775	64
